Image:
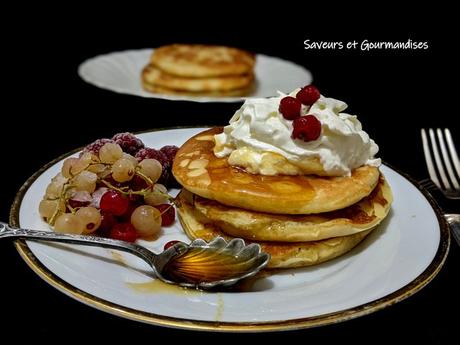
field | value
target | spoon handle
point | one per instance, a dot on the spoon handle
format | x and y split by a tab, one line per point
7	231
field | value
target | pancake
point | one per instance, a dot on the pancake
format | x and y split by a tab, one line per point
201	172
258	226
164	90
202	61
154	76
283	255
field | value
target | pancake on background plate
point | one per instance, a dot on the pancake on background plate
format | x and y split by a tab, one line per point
199	69
292	173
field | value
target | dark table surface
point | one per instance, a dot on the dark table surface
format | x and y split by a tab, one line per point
394	93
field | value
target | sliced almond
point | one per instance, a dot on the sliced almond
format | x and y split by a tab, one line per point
191	154
196	172
198	164
204	180
184	163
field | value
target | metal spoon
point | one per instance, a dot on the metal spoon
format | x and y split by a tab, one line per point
196	265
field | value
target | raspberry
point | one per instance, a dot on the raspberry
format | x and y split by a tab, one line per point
308	95
170	152
160	157
165	177
153	154
307	128
290	107
95	146
128	142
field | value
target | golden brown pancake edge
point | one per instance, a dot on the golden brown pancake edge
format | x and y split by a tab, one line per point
283	255
201	172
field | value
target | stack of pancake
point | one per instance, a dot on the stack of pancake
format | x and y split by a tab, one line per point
199	69
299	220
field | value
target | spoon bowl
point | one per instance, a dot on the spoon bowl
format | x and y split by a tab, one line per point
200	264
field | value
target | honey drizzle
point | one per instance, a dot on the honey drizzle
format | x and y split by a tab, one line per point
236	180
202	266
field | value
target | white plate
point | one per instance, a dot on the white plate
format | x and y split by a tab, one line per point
395	261
121	72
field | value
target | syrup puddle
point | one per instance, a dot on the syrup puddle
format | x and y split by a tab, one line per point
119	258
156	286
220	307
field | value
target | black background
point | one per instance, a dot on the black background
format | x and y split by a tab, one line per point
50	111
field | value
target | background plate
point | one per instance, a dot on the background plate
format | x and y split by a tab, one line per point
121	72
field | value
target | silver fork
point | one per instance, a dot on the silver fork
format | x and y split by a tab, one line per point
448	183
442	148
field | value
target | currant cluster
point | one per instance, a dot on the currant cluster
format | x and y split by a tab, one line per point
116	188
308	127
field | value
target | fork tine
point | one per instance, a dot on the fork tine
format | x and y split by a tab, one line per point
445	155
453	152
438	160
428	160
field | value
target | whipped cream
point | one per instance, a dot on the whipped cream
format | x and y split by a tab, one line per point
258	139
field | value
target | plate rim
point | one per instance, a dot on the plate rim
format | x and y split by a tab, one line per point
220	326
160	96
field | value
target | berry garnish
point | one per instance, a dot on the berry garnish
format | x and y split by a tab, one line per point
170	244
114	203
108	221
113	190
138	183
95	146
126	217
307	128
147	153
153	154
308	95
128	142
124	232
290	107
170	152
77	203
168	214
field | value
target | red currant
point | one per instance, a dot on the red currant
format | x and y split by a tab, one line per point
129	211
114	203
170	244
76	203
138	183
111	180
308	95
124	232
307	128
168	214
290	107
107	222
